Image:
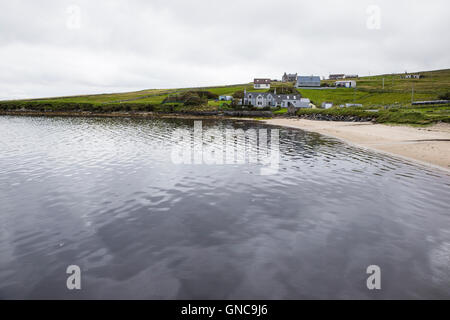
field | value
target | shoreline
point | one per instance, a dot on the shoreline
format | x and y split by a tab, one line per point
145	115
429	146
87	114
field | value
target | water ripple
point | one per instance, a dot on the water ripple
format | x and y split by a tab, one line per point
104	194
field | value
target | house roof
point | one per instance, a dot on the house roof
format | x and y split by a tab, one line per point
262	81
308	79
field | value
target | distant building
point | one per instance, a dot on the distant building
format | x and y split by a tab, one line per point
304	103
327	105
343	76
348	105
273	100
346	84
336	76
292	77
412	76
308	81
225	98
261	83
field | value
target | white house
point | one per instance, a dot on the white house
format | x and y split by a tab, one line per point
261	83
413	76
346	84
273	100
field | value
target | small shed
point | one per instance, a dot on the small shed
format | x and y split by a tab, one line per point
327	105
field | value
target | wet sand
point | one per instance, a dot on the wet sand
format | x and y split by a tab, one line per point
427	145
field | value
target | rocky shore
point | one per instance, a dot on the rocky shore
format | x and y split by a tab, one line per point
327	117
181	114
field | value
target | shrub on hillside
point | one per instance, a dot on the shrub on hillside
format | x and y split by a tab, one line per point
172	99
238	94
205	94
445	96
59	106
284	90
193	100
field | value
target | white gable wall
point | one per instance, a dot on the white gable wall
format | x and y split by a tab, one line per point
261	86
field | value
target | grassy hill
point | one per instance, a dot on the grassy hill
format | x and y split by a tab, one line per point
369	91
396	94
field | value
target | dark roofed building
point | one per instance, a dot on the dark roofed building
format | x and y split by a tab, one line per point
336	76
292	77
308	81
261	83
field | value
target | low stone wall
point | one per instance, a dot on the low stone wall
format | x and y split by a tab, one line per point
327	117
262	114
199	113
182	114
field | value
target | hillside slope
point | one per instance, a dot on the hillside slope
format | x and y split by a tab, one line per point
369	91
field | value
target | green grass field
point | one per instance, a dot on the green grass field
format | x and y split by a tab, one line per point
403	115
397	90
369	91
396	95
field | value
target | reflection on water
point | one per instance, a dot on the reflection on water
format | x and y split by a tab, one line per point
103	194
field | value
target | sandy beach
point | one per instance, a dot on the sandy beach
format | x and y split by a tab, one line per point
427	145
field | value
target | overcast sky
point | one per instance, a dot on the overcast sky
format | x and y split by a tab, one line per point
54	48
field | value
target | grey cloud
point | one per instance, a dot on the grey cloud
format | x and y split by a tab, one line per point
137	44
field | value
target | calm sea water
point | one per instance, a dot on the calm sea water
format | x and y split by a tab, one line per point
105	195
